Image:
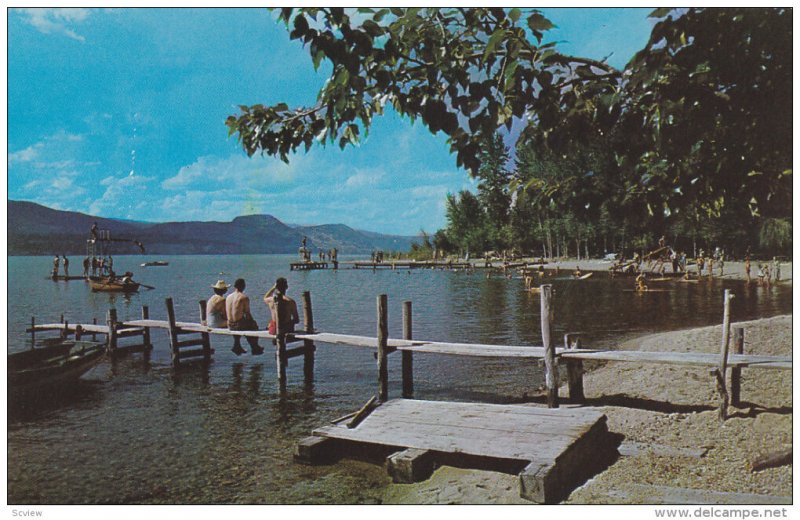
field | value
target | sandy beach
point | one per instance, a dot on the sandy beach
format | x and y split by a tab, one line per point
673	439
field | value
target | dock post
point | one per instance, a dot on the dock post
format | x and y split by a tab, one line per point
111	322
574	371
408	361
280	354
205	335
551	368
65	330
33	331
146	333
173	333
723	354
383	337
308	325
94	334
736	372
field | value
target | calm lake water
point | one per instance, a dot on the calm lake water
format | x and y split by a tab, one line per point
138	431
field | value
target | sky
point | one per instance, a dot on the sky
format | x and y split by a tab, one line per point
121	113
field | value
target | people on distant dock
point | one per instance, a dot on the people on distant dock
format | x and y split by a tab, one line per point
216	315
93	231
86	264
65	263
55	266
289	317
237	308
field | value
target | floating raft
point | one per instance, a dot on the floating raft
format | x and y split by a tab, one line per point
552	450
392	264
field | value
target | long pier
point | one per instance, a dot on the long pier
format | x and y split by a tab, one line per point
551	449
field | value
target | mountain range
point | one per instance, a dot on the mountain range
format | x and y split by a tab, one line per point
34	229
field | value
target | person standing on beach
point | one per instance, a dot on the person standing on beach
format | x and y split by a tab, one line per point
747	267
776	268
237	308
289	316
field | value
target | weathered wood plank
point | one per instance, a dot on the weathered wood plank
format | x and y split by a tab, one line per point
635	449
314	450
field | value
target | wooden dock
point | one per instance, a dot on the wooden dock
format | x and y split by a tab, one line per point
408	264
310	266
552	450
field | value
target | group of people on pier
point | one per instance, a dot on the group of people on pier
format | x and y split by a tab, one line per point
234	313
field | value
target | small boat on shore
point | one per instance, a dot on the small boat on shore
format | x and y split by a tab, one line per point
156	263
60	363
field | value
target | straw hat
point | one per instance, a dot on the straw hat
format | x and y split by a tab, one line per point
220	285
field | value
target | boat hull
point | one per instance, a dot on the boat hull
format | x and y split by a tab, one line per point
106	286
52	366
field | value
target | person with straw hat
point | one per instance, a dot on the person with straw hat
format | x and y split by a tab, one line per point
216	317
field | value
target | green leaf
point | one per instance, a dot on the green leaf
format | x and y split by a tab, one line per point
514	14
494	41
538	22
660	12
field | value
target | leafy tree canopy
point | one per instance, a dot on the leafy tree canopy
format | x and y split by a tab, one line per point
699	119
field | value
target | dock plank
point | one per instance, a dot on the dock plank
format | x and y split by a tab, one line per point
555	448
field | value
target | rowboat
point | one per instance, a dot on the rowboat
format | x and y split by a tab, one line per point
156	263
56	364
106	285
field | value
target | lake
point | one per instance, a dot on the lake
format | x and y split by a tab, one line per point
138	431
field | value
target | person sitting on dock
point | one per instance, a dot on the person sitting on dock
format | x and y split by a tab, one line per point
577	273
216	316
127	278
289	317
237	308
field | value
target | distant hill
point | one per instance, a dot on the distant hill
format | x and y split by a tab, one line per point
34	229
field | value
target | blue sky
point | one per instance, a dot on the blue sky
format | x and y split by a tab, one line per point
120	113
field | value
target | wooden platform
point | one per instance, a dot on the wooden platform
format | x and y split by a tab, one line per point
552	450
408	264
307	266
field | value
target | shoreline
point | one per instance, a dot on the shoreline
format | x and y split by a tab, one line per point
670	413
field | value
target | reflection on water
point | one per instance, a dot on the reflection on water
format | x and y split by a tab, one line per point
223	432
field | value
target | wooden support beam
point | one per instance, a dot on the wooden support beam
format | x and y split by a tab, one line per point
94	334
383	338
363	412
111	322
198	352
408	360
33	331
314	450
78	332
129	332
190	343
65	330
281	361
173	332
206	337
551	367
146	330
723	361
736	372
298	351
309	348
410	465
574	371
